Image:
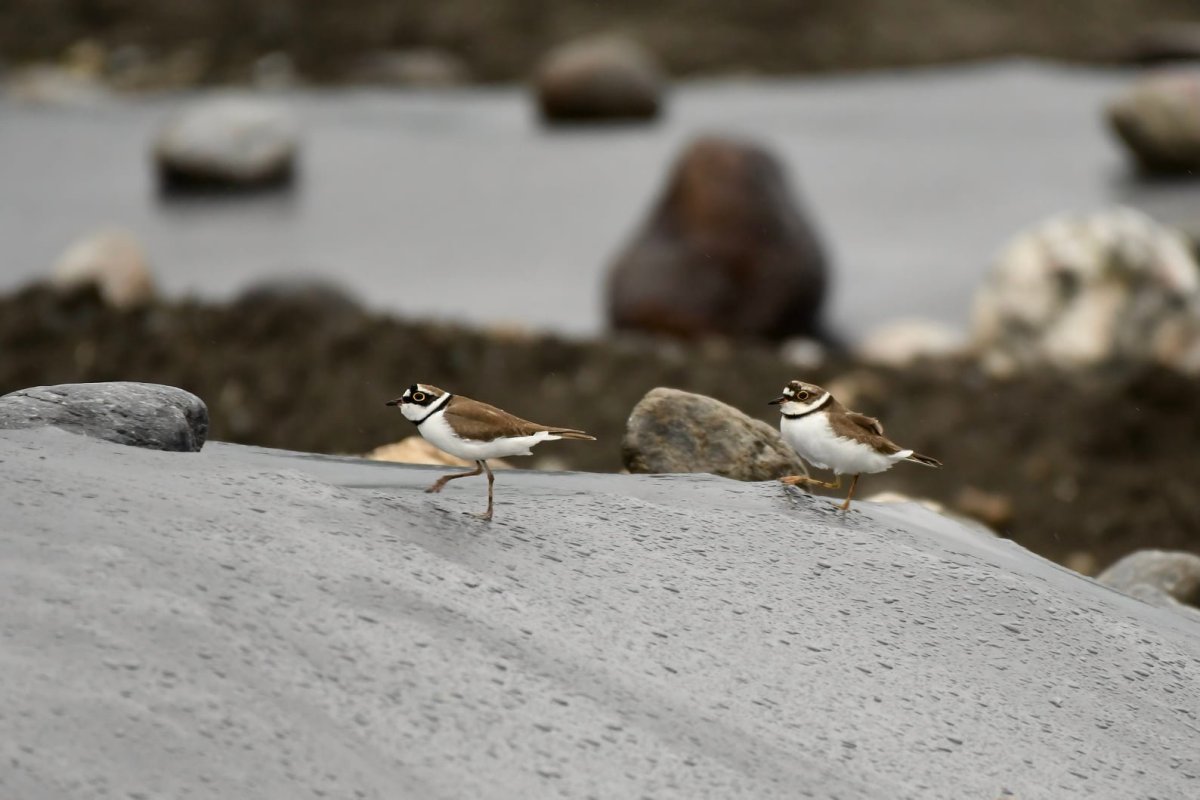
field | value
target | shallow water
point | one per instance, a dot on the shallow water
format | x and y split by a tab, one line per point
461	205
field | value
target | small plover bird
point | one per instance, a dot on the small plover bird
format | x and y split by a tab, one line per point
473	431
829	436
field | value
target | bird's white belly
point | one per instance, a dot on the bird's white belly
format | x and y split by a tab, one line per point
814	440
439	433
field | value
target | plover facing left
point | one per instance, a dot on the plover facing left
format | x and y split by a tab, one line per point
829	436
473	431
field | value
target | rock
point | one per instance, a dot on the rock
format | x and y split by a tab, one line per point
42	84
1174	572
991	508
1158	119
274	71
313	293
803	353
227	142
1084	291
674	431
901	342
113	261
726	251
597	79
259	624
415	450
1165	42
137	414
900	497
419	68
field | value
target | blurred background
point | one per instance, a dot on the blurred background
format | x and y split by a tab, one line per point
975	220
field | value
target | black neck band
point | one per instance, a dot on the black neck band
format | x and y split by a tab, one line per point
812	410
436	408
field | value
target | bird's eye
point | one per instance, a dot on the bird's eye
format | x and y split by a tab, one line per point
419	397
802	395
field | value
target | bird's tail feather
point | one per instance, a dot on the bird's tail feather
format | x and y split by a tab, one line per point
571	433
924	461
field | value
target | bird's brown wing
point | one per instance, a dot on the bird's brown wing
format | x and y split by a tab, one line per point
483	423
868	423
867	430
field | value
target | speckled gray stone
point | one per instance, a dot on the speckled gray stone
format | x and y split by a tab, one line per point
255	624
670	430
137	414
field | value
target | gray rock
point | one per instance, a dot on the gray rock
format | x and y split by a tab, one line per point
227	142
597	79
674	431
247	623
137	414
1175	573
1071	292
1158	120
726	251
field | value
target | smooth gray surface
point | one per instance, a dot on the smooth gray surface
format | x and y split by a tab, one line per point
459	204
246	623
126	412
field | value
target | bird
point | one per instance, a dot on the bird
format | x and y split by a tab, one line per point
473	431
829	436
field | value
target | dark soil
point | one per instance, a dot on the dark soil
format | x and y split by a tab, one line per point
503	39
1094	465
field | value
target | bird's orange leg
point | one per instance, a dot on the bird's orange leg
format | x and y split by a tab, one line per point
853	483
793	480
442	481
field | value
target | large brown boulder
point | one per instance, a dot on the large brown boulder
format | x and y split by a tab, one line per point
727	250
598	78
674	431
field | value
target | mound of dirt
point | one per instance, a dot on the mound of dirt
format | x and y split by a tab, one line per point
1092	465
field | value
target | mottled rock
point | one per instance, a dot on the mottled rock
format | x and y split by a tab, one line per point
418	68
596	79
137	414
1158	119
1085	291
674	431
113	261
227	142
415	450
1173	572
901	342
727	250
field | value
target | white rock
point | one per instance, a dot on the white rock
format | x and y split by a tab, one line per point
111	260
903	341
228	141
1079	291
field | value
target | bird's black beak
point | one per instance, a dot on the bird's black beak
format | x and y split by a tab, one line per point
395	402
778	400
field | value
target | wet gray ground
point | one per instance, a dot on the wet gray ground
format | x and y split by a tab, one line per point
249	623
460	205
